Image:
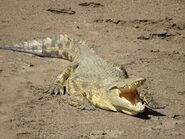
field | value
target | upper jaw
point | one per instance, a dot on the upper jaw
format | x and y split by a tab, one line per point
128	82
133	83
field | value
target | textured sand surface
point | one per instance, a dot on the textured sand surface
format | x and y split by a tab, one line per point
146	36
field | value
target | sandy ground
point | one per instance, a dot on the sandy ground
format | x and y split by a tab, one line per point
146	36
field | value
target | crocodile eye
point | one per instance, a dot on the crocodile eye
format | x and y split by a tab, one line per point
114	87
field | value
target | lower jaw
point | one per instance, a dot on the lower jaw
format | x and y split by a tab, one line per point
132	112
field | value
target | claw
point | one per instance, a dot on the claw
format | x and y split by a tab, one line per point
56	89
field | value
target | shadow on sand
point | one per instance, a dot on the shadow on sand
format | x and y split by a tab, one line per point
148	113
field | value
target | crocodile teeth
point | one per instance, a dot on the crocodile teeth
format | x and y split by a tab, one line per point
131	88
137	83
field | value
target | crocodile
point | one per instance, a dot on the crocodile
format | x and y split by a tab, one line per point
89	80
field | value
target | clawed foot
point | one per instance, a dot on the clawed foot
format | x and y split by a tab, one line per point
87	106
150	101
80	102
56	89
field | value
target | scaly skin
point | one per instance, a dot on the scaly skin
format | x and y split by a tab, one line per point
89	80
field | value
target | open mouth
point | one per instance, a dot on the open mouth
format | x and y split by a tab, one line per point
129	92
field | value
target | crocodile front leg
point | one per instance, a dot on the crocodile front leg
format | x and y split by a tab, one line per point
58	87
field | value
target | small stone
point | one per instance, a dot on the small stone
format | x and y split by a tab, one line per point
31	65
142	37
181	92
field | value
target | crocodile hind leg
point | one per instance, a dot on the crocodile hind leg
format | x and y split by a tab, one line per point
58	87
81	102
150	101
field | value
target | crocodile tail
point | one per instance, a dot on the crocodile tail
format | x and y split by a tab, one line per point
59	47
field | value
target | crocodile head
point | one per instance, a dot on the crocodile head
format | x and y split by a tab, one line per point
124	97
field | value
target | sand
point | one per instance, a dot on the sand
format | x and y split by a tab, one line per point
146	36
